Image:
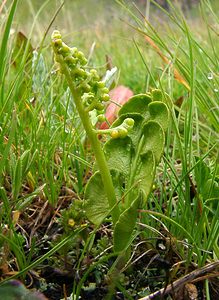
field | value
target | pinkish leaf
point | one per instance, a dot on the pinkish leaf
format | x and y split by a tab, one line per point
119	96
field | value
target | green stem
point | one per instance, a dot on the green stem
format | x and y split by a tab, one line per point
96	146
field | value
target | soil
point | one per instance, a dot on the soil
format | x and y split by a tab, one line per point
152	267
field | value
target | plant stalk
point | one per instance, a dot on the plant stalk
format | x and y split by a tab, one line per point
96	147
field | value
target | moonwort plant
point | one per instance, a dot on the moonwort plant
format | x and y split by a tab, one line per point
126	163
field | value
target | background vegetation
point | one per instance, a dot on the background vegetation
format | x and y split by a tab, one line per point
45	158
